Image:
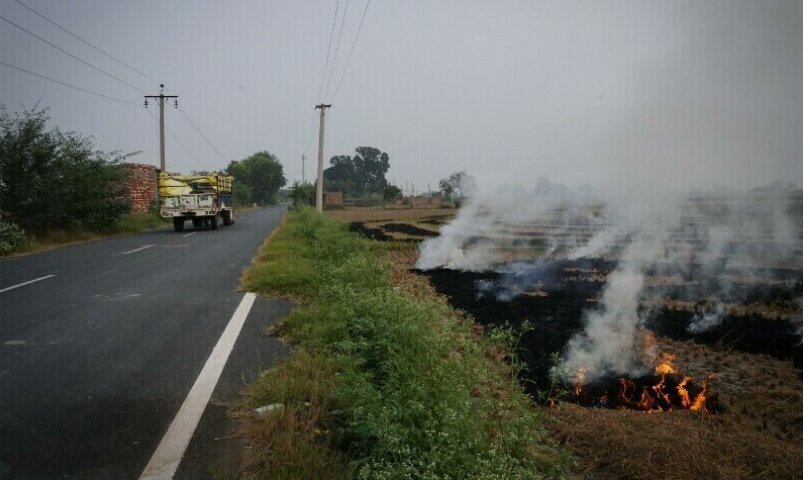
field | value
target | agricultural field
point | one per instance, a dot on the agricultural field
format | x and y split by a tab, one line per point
666	345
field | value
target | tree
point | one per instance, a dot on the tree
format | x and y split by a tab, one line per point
302	194
391	193
262	173
361	175
458	185
54	179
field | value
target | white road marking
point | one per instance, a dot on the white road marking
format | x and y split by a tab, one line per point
26	283
138	249
166	459
189	234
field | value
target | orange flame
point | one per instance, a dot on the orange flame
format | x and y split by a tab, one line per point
665	364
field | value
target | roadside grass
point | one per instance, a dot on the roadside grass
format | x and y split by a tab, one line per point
383	384
54	238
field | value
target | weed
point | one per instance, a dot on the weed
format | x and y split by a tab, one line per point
383	384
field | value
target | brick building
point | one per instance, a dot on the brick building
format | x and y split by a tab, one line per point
333	198
142	186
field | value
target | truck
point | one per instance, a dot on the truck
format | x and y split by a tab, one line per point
203	199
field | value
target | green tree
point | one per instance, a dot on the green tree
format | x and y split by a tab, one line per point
391	193
54	179
262	173
458	185
302	194
363	174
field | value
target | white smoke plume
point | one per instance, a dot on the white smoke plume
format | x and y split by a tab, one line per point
707	319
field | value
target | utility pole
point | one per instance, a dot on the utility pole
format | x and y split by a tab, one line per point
162	102
303	164
319	188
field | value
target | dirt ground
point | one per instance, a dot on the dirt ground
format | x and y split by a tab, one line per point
754	360
377	214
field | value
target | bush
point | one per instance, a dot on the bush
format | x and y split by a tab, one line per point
11	237
302	195
56	180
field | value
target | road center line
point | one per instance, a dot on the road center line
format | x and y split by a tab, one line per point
189	234
138	249
26	283
166	459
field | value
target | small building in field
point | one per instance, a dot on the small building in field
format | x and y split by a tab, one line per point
141	186
425	201
333	198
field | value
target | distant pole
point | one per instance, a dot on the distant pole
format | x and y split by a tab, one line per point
162	102
303	165
319	188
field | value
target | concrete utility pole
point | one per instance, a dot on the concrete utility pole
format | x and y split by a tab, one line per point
319	188
162	102
303	165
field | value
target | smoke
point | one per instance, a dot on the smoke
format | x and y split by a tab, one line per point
490	224
611	332
717	241
707	319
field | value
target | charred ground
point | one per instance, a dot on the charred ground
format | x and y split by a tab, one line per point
555	313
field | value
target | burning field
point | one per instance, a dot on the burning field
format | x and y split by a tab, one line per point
664	336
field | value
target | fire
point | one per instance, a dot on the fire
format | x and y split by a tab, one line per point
665	391
579	381
665	364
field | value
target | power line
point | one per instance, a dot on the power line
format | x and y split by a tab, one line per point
351	52
323	76
337	48
70	54
328	50
86	42
68	85
179	142
185	115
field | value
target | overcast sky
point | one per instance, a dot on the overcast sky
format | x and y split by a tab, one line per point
669	93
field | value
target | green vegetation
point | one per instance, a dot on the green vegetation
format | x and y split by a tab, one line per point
302	194
51	179
357	176
55	188
384	383
258	179
458	185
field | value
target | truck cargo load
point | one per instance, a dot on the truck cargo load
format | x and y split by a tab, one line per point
203	199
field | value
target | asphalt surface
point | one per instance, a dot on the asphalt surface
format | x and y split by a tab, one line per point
96	360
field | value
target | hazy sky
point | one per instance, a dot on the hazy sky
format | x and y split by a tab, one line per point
673	93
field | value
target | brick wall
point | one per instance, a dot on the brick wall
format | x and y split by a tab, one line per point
333	198
425	201
141	186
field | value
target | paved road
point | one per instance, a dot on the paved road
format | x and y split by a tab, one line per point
96	360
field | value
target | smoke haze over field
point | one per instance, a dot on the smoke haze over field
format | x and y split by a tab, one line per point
714	236
669	94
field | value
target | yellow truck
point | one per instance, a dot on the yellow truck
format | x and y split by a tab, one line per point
203	199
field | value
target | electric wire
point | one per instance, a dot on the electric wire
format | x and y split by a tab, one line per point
337	89
337	48
323	76
70	54
328	51
86	42
208	167
193	125
68	85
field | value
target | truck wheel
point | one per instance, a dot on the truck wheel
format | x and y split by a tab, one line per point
215	222
226	219
179	224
